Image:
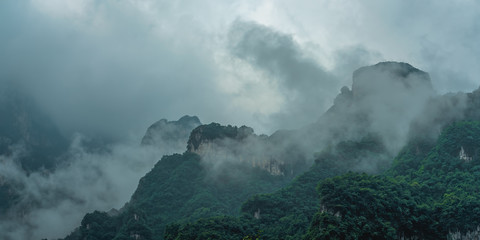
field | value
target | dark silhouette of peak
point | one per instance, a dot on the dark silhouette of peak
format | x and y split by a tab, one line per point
391	108
384	99
215	131
400	69
189	121
386	83
390	77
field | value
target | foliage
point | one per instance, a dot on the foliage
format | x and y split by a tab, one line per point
182	188
361	206
222	227
426	194
430	192
287	213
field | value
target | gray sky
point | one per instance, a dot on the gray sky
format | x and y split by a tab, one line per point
115	67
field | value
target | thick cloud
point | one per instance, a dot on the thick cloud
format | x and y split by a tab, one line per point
115	67
305	85
52	204
435	36
105	70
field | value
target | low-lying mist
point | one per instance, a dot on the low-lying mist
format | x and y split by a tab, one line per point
52	204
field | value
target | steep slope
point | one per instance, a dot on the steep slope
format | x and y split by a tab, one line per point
27	138
390	105
278	154
383	102
203	182
437	200
26	130
383	99
286	214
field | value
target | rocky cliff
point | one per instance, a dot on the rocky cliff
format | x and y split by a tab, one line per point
217	144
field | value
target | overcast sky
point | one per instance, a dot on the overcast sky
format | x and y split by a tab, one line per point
115	67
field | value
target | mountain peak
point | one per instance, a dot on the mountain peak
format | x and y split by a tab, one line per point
214	131
170	134
390	77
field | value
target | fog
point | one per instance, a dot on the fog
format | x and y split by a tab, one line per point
306	86
110	69
52	204
116	67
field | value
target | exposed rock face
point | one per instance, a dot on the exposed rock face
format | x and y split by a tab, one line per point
217	133
388	98
218	144
384	100
388	78
171	134
387	86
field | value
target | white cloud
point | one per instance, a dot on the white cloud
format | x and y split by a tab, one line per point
52	204
145	55
115	67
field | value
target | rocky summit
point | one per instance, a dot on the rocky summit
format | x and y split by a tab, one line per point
391	159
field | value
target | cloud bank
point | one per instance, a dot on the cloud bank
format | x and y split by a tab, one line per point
116	67
111	68
52	204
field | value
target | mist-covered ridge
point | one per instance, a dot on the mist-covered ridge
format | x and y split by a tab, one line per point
215	170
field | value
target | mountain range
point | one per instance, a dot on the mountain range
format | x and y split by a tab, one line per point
420	151
390	159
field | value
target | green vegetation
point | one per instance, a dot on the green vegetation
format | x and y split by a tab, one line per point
424	196
361	206
287	213
221	227
181	188
429	192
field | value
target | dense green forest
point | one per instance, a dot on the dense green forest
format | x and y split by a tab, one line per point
181	188
430	192
233	184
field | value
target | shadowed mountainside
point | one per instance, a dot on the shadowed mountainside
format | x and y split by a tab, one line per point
391	110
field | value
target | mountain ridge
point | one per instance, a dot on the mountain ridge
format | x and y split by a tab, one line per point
351	136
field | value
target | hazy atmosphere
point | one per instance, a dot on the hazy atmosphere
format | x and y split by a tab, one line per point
115	67
107	70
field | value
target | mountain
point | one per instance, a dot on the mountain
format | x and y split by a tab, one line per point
286	213
382	96
391	159
278	154
436	200
202	182
28	137
170	134
27	132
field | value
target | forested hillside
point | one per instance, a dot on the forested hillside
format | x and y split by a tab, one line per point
434	197
373	167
